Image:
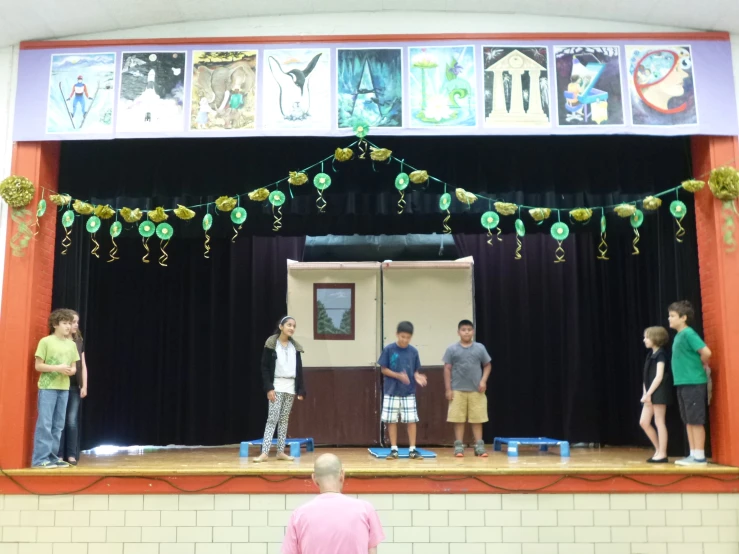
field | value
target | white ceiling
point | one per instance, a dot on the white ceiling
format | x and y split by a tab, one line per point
54	19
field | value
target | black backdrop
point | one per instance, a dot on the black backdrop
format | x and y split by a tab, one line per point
173	351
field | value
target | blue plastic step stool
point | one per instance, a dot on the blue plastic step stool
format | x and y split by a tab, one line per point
542	442
244	449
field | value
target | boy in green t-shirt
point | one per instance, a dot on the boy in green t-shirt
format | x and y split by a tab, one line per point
690	357
56	358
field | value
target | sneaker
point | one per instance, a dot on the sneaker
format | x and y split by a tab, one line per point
393	455
480	449
685	461
415	455
62	463
458	449
46	465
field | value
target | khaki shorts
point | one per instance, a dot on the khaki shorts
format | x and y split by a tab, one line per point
467	407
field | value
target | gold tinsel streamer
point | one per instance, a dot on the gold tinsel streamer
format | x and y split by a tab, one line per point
321	202
651	203
401	202
419	176
680	229
183	212
60	199
380	154
164	257
297	179
362	145
95	249
490	237
66	241
693	185
464	196
635	242
129	215
603	247
500	232
145	242
559	253
540	214
113	251
104	212
625	210
277	225
236	234
82	208
206	254
447	229
343	154
259	195
581	214
158	215
519	246
225	203
505	208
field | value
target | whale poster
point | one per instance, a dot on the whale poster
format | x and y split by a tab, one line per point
297	89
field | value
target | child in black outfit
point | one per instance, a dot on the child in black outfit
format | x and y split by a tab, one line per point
657	392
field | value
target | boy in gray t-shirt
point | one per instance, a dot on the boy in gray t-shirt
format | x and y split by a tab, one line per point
466	372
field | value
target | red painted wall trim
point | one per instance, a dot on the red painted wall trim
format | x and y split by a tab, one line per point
43	44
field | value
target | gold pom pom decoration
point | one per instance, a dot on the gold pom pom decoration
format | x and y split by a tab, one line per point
183	212
724	184
342	155
540	214
419	176
157	215
103	212
651	203
82	208
380	154
129	215
225	203
60	199
462	195
259	195
625	210
296	179
505	208
581	215
693	185
17	191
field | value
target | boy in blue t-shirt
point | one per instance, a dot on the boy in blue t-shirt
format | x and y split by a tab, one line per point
400	363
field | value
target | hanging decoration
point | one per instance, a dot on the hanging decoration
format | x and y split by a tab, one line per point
259	195
651	203
131	216
115	230
361	130
505	208
444	203
67	222
625	210
679	210
603	246
146	230
489	221
560	232
103	212
207	223
40	211
18	193
463	196
238	216
343	154
401	183
225	203
92	226
540	214
380	154
321	181
165	233
520	233
297	178
157	215
419	177
636	221
693	185
581	215
82	208
183	212
724	184
277	199
60	199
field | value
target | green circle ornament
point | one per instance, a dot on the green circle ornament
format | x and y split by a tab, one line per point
678	209
68	218
207	222
276	198
490	220
603	224
41	208
322	181
93	224
520	228
401	181
146	229
637	219
361	129
560	231
238	215
165	231
445	201
115	229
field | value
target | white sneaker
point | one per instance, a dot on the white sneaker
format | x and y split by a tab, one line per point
689	461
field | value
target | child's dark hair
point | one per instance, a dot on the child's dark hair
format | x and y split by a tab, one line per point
683	308
465	323
658	335
405	327
78	334
284	319
57	316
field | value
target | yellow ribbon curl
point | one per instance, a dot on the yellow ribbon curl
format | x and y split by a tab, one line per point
113	251
490	237
321	202
163	258
447	229
95	249
559	253
236	233
635	242
206	254
277	225
519	246
401	203
680	230
500	232
66	241
603	247
145	242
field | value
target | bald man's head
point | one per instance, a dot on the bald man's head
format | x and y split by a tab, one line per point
327	472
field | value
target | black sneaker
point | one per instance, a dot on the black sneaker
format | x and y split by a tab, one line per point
414	455
393	455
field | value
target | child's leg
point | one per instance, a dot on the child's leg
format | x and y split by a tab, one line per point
476	431
698	433
412	434
647	413
42	438
459	432
691	442
659	420
273	417
57	422
392	431
287	404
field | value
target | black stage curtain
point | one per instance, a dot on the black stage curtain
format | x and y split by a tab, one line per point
173	351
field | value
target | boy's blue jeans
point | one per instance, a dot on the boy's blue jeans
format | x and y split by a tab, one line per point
52	411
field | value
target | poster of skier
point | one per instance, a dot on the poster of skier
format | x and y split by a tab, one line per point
152	92
81	93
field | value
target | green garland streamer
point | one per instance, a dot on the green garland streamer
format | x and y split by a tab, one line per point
20	240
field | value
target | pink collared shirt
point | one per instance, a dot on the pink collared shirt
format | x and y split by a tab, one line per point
333	523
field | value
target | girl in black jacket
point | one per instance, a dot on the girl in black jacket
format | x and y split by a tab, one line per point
282	377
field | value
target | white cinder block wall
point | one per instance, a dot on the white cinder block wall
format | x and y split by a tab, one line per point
414	524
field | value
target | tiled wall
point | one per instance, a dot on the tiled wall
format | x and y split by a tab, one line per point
428	524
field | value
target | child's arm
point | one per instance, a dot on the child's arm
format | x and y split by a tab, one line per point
705	354
399	375
448	382
83	390
42	367
485	374
656	383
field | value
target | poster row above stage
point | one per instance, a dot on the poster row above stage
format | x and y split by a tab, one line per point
436	89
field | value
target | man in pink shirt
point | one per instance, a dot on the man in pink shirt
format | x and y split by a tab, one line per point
332	523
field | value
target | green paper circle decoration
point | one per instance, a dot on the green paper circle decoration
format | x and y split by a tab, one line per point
490	220
41	209
560	231
165	231
93	224
637	219
603	224
445	201
520	228
678	209
322	181
146	229
68	218
238	215
361	129
115	229
401	181
207	222
276	198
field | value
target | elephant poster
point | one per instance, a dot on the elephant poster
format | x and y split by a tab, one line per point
224	90
297	89
152	92
442	86
370	87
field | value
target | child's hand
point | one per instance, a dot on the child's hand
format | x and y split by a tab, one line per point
450	395
271	396
300	397
421	379
483	386
646	399
83	392
403	378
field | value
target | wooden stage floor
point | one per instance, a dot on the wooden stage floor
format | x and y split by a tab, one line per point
358	462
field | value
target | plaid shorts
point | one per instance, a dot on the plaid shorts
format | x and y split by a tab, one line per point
401	408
